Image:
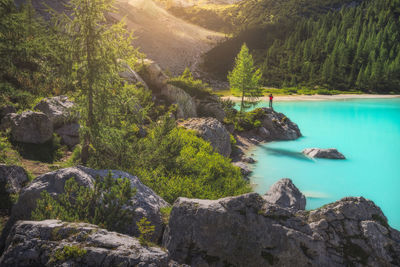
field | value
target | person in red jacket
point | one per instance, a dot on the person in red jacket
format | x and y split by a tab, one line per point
271	97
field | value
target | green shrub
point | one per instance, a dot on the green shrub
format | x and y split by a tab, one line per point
102	205
146	230
7	153
191	86
69	252
249	120
165	214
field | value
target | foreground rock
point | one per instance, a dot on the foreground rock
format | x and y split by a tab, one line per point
285	194
29	127
250	231
213	131
145	203
48	243
330	153
58	109
278	126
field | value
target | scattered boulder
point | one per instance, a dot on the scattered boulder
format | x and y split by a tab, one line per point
145	203
6	110
153	75
285	194
131	76
13	177
244	169
69	134
248	230
58	109
57	243
279	126
186	107
213	131
210	107
330	153
249	160
29	127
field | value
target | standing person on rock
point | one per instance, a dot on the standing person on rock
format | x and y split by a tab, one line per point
271	97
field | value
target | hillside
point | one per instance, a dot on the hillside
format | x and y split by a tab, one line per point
173	43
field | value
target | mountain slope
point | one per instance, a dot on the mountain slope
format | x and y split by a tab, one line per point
173	43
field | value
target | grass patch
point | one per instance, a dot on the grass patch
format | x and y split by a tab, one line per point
69	252
165	214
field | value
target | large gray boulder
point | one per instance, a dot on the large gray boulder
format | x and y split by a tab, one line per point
153	75
131	76
29	127
145	203
57	243
186	106
244	168
13	177
278	126
285	194
211	130
248	230
330	153
58	109
210	107
69	134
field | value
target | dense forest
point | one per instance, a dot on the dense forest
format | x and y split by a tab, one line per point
332	44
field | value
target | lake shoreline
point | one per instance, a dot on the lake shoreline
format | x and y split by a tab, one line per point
287	98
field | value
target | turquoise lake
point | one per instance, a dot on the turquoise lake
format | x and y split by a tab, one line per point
366	131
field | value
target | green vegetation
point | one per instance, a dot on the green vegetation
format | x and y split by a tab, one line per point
146	230
245	79
191	86
325	45
69	252
101	205
165	214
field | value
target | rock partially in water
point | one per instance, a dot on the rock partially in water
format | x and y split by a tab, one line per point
279	126
213	131
145	203
330	153
244	168
57	243
58	109
248	230
29	127
285	194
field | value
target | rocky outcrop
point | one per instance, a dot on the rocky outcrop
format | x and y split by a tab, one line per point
57	243
186	107
210	107
278	126
131	76
244	169
211	130
285	194
69	134
58	109
13	177
330	153
248	230
29	127
145	203
157	80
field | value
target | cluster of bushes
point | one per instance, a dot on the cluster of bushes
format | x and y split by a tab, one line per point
190	85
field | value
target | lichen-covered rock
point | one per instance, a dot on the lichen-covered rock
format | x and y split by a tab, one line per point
211	130
58	109
57	243
285	194
279	126
13	177
69	134
145	203
248	230
330	153
29	127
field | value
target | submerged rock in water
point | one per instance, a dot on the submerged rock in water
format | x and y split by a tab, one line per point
57	243
248	230
330	153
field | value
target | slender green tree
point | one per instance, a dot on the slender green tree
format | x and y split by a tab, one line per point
245	79
97	48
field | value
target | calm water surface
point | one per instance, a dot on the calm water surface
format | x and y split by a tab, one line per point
366	131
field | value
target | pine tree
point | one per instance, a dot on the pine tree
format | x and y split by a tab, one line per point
245	79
